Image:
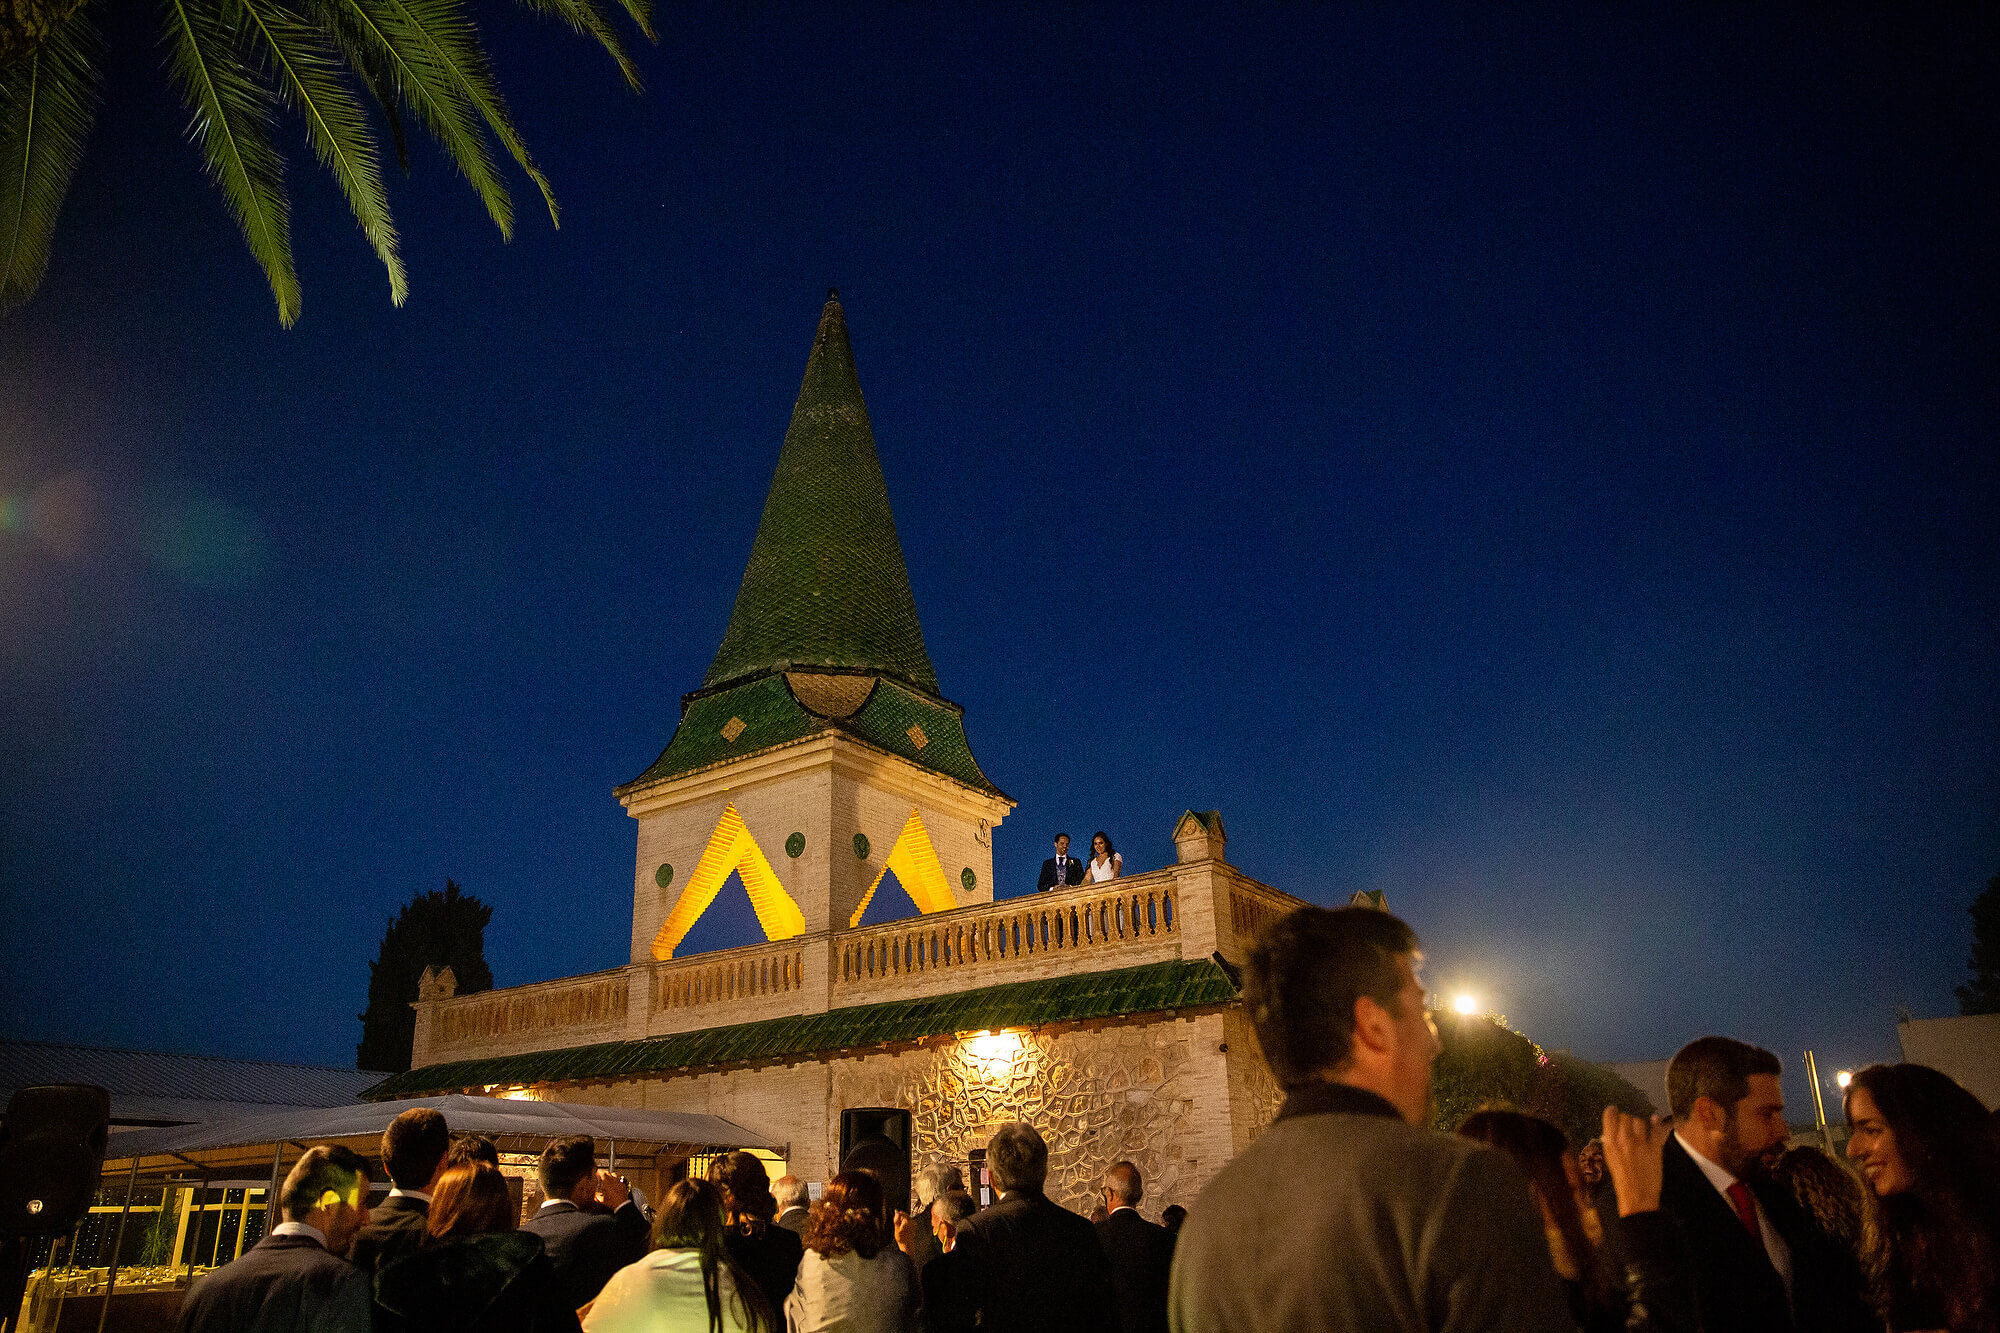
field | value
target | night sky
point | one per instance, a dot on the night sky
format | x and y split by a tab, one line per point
1539	465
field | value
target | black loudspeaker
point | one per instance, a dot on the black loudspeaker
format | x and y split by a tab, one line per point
51	1149
877	1139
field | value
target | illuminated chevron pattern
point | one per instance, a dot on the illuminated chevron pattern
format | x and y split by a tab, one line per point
731	848
916	865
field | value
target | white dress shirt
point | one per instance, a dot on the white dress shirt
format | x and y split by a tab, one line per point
1775	1248
300	1229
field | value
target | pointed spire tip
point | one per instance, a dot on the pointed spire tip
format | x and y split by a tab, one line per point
833	293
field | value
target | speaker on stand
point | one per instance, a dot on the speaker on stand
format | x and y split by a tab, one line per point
51	1150
877	1139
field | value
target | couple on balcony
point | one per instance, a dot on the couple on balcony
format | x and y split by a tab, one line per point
1062	869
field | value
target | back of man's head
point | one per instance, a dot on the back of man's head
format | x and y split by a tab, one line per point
1123	1183
1718	1068
327	1175
936	1180
790	1192
414	1146
1017	1158
954	1206
565	1164
1306	970
472	1148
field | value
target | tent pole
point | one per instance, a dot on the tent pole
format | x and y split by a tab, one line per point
271	1195
118	1246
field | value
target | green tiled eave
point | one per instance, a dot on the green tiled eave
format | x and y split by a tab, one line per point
1151	988
772	717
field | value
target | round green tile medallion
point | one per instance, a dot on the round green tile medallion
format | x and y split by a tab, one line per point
861	845
664	875
795	845
968	879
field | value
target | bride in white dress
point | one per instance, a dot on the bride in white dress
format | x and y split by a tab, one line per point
1105	862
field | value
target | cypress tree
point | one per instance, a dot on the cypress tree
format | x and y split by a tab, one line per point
434	929
1981	995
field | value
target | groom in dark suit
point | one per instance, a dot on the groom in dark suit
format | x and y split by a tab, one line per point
1061	869
413	1151
1761	1264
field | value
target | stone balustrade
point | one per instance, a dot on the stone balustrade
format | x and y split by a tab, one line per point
727	976
593	1001
1252	905
1065	930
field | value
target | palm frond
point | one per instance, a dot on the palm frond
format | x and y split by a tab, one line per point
309	78
442	30
585	17
375	36
232	116
47	100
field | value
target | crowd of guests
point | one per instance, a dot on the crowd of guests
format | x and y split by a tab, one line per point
1347	1213
1062	870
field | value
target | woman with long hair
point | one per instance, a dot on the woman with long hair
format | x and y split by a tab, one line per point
477	1273
1830	1194
1931	1245
768	1253
1648	1287
853	1279
1105	862
688	1283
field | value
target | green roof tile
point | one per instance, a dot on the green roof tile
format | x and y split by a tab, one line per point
826	585
1132	990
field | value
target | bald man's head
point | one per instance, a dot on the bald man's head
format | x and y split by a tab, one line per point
1121	1182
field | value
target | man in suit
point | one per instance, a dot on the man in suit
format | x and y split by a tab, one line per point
1760	1262
1141	1253
1029	1264
1348	1212
932	1183
948	1304
414	1148
1062	869
293	1280
793	1203
585	1247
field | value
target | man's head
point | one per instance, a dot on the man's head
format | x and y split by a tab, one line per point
1017	1159
790	1192
328	1190
1122	1187
472	1148
414	1147
567	1166
950	1209
1335	997
1727	1102
1062	844
937	1180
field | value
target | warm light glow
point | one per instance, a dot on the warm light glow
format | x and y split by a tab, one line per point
916	865
519	1095
731	848
1465	1004
1844	1077
992	1053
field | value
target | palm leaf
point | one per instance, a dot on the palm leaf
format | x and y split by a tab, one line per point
232	116
444	34
375	37
585	17
309	78
47	99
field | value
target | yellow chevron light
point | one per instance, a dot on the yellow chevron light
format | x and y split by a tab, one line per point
916	865
729	848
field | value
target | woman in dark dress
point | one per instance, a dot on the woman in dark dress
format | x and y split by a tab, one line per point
476	1272
768	1253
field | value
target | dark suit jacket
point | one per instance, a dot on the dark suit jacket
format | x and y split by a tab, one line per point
1030	1265
1739	1290
395	1230
794	1220
492	1282
587	1248
924	1245
1073	872
284	1284
948	1295
1141	1255
770	1259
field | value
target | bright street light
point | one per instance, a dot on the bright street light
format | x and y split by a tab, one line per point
1844	1077
1465	1004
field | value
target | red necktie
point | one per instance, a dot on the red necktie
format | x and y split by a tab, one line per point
1746	1211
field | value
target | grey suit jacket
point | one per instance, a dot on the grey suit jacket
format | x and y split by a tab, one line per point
1341	1216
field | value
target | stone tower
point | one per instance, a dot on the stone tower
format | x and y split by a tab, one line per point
819	753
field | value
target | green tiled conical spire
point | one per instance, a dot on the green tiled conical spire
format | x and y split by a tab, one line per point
826	585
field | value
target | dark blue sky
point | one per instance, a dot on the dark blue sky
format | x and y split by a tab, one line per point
1541	466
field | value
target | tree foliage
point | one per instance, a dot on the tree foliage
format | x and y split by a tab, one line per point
1485	1064
435	929
241	66
1981	995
